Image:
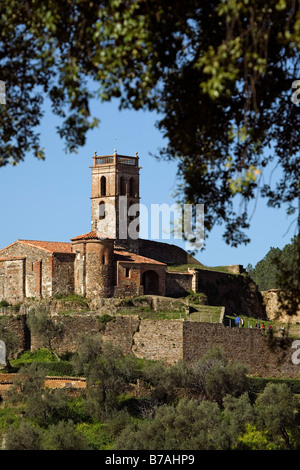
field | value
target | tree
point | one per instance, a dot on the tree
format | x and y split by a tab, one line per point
47	407
45	328
107	373
185	426
25	436
280	269
238	418
277	411
224	380
265	271
29	382
64	436
219	73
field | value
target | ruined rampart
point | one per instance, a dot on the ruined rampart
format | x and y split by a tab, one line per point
172	340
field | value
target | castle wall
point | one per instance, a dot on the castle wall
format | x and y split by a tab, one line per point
276	307
17	324
172	340
158	340
178	283
262	356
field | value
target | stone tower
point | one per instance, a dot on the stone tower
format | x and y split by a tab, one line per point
93	268
115	197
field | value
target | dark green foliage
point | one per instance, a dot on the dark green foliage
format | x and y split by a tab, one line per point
64	436
222	409
187	426
277	410
280	269
45	328
265	271
219	74
105	318
258	384
25	436
61	368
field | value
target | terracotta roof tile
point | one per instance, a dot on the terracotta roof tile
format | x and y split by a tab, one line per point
51	247
128	257
94	235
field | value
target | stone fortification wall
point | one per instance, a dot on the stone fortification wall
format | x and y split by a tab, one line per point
17	325
159	340
263	356
275	311
178	284
238	293
172	340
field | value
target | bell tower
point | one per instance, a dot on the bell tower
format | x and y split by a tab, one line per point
116	197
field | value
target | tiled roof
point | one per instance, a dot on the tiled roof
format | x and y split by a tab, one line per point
94	235
51	247
128	257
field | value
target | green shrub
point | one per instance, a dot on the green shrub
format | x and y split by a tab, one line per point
61	368
4	303
72	298
106	318
40	355
258	384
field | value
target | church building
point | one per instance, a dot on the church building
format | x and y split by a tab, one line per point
110	260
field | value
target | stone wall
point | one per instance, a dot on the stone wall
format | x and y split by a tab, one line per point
38	278
274	308
178	284
17	325
172	340
263	356
12	279
26	271
164	252
63	274
238	293
159	340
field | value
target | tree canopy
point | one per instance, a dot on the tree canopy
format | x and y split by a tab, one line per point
279	269
219	73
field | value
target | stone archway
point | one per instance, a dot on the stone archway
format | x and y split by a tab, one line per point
150	281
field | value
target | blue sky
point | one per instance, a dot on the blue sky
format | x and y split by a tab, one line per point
50	200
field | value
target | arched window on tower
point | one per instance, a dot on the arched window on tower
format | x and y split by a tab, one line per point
131	187
102	210
103	186
122	186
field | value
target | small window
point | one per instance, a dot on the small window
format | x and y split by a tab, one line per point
127	272
122	186
102	210
103	259
131	187
103	186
